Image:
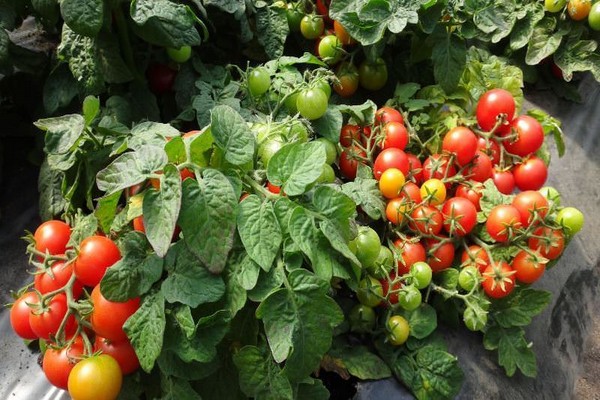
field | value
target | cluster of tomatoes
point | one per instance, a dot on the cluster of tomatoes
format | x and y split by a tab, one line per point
578	10
434	211
86	348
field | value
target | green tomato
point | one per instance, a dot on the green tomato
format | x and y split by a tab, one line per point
551	194
554	6
571	218
259	81
421	274
472	322
327	175
373	76
594	17
324	86
312	103
290	103
268	148
330	49
296	131
330	150
469	277
294	15
312	26
367	246
179	55
398	330
409	298
383	264
362	318
369	292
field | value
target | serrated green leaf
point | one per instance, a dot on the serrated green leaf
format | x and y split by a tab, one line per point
361	362
333	204
82	226
513	350
51	200
519	309
544	41
145	329
177	389
208	218
577	55
183	316
293	167
330	124
229	6
365	193
422	321
260	377
449	59
189	282
161	210
61	132
523	29
299	322
437	375
496	19
175	149
259	230
491	197
339	243
84	17
266	284
80	52
312	389
106	210
59	89
272	29
150	133
114	68
90	108
232	135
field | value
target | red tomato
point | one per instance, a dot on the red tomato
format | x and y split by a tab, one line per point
530	136
349	163
138	224
388	114
45	321
462	142
549	242
396	136
531	174
460	216
390	158
495	103
108	316
477	256
502	222
439	257
396	286
56	277
58	363
528	203
416	168
498	280
437	166
273	188
123	352
504	181
411	252
52	237
342	34
426	219
489	147
471	191
96	255
19	315
481	168
323	9
349	135
529	268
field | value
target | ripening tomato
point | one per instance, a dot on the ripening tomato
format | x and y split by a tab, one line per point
373	75
388	114
494	104
19	315
579	9
426	219
391	182
549	242
138	224
349	135
481	168
396	210
439	254
347	75
502	222
476	256
343	34
108	316
95	378
530	204
58	363
528	267
398	330
472	191
410	252
96	255
498	280
531	174
433	192
395	135
460	216
504	180
273	188
390	158
52	237
438	166
312	26
46	320
123	352
529	136
462	142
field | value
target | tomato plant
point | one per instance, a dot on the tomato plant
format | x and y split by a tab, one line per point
495	107
258	81
312	26
398	330
528	267
181	54
391	183
312	103
97	377
503	222
58	363
461	142
45	319
498	280
19	315
121	351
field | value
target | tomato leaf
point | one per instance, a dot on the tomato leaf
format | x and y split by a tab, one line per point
513	350
229	6
523	29
578	55
177	389
59	89
82	226
496	20
299	321
449	58
175	149
259	230
188	282
448	279
84	63
550	125
114	68
165	23
207	218
183	316
365	193
131	168
146	328
84	17
339	243
232	135
51	200
313	389
330	124
422	321
266	284
260	376
272	29
491	198
520	308
334	204
135	273
544	40
62	133
150	133
360	361
293	166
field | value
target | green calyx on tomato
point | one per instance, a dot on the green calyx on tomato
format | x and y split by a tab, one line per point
312	26
330	49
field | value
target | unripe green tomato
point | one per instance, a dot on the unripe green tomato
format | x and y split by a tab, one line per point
554	6
421	274
330	49
296	132
312	103
551	194
330	150
369	292
383	264
312	26
324	86
594	17
268	148
571	218
327	175
367	246
259	81
294	15
290	103
409	298
179	55
474	324
398	330
362	318
468	277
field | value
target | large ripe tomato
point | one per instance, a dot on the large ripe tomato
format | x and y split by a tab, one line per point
56	277
373	75
439	256
349	159
481	168
45	320
349	135
438	166
476	256
410	252
390	158
530	203
95	378
549	242
52	237
395	135
462	142
123	352
426	219
19	315
472	191
531	174
347	75
495	103
504	180
108	316
502	222
498	280
529	267
460	216
386	114
58	363
96	255
530	136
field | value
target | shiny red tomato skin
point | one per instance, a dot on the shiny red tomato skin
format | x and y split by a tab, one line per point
462	142
504	181
108	316
52	237
493	103
390	158
531	174
96	255
530	136
19	316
